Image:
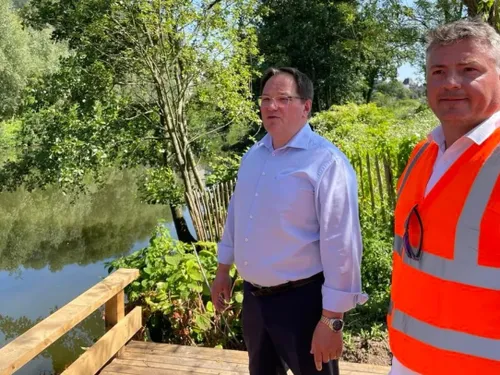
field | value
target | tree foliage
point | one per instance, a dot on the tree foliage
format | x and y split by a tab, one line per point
24	54
344	46
125	95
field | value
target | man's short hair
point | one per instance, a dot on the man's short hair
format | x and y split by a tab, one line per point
472	29
305	87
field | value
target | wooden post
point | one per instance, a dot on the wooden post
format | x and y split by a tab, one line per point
202	214
195	216
209	216
114	311
218	202
389	179
203	223
370	183
380	186
361	176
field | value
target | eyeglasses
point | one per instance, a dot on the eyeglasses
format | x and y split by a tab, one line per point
410	250
280	100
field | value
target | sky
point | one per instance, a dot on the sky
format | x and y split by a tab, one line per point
408	71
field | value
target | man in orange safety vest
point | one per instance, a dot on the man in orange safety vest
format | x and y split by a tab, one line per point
444	315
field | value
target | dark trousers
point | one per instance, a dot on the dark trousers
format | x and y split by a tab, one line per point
278	331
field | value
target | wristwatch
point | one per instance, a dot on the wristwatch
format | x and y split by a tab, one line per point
334	324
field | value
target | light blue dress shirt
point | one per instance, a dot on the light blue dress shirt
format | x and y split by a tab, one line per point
294	213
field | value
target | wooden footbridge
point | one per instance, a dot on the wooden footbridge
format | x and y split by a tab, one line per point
115	353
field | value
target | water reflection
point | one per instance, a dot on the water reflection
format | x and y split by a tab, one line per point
43	229
55	358
51	251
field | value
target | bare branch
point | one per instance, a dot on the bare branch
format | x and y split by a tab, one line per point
214	130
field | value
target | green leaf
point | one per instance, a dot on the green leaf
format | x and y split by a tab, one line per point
195	274
173	260
203	322
238	297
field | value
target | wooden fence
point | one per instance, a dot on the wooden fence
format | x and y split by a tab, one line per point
377	177
376	174
212	205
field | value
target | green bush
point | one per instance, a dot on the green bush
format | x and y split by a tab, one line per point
173	289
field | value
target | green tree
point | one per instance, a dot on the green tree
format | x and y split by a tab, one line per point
384	43
24	54
344	46
126	93
315	37
423	15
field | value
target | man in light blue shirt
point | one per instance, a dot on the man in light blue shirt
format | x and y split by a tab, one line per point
293	232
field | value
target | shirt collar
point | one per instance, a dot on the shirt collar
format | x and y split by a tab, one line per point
478	135
299	140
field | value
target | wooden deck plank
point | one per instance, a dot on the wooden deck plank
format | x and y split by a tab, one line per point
213	363
138	367
146	358
187	350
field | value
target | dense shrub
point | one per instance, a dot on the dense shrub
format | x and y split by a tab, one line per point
173	289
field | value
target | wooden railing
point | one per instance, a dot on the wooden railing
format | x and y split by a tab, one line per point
120	328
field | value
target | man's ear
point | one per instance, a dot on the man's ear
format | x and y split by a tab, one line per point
307	106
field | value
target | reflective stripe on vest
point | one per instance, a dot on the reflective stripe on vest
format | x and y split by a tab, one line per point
446	339
464	268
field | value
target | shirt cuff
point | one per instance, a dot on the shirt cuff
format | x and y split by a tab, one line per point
341	302
225	254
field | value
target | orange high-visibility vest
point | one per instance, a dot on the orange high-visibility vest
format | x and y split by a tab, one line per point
444	316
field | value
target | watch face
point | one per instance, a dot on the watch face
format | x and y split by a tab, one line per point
337	325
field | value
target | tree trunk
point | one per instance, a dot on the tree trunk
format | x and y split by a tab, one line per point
371	85
181	227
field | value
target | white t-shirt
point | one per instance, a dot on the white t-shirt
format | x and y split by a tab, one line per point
445	158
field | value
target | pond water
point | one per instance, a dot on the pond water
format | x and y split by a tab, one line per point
53	247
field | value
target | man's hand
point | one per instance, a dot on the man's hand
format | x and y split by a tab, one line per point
326	345
221	288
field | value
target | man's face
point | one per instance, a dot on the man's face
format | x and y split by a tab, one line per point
463	84
286	114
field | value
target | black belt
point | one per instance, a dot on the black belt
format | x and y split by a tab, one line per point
258	291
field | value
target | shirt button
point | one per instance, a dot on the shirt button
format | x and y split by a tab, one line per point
256	194
274	154
246	239
251	217
246	263
263	173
